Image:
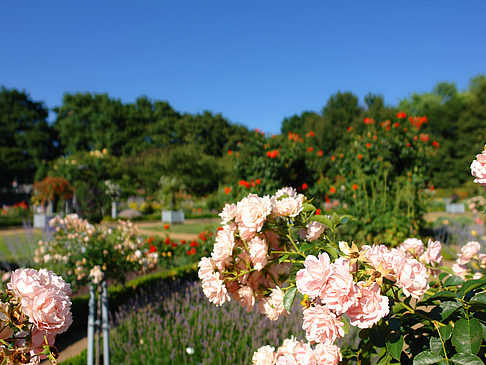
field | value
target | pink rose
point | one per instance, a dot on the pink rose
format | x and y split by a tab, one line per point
289	347
412	278
460	270
206	267
265	355
223	246
321	325
414	246
291	192
314	230
215	289
258	252
380	255
290	206
247	299
313	277
305	355
478	169
340	291
370	308
44	298
286	360
252	212
228	213
433	255
468	251
327	354
272	306
482	260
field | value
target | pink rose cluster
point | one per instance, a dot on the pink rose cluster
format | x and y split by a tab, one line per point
243	265
332	288
44	311
468	255
293	352
430	255
478	168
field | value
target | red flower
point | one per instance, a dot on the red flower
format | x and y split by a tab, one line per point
310	134
269	154
320	153
304	186
424	137
220	228
258	181
408	144
310	149
192	251
401	115
167	241
152	249
326	198
355	187
360	156
230	152
166	226
318	211
349	129
435	144
396	125
173	244
227	190
432	188
333	158
368	145
368	120
332	190
194	244
183	242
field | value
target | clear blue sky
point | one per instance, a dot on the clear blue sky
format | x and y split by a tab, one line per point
255	62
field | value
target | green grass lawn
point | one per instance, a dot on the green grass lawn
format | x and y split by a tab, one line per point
188	227
18	247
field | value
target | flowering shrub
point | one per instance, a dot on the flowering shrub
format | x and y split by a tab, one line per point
83	252
34	309
273	249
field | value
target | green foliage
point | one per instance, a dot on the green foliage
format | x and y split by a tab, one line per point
26	140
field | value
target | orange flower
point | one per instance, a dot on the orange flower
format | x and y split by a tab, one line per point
318	211
355	187
332	190
320	153
374	137
349	129
360	156
368	145
310	134
333	158
166	226
401	115
310	149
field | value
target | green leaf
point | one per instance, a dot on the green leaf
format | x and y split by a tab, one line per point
324	220
289	297
332	252
394	345
335	218
283	258
466	359
467	335
479	298
447	309
443	275
443	295
445	332
470	285
308	207
436	346
453	280
346	218
347	326
426	358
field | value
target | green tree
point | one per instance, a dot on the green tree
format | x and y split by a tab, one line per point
26	139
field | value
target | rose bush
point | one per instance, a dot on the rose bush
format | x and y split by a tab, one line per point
408	307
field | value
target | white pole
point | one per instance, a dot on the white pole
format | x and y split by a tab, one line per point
91	323
105	324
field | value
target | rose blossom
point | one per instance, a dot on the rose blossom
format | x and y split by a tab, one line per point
370	307
44	298
413	246
286	360
340	291
321	325
258	252
251	214
272	306
380	255
468	251
482	260
289	347
206	267
314	231
313	277
228	213
460	270
246	297
223	246
290	206
433	255
305	355
327	354
412	278
265	355
478	168
291	192
215	289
